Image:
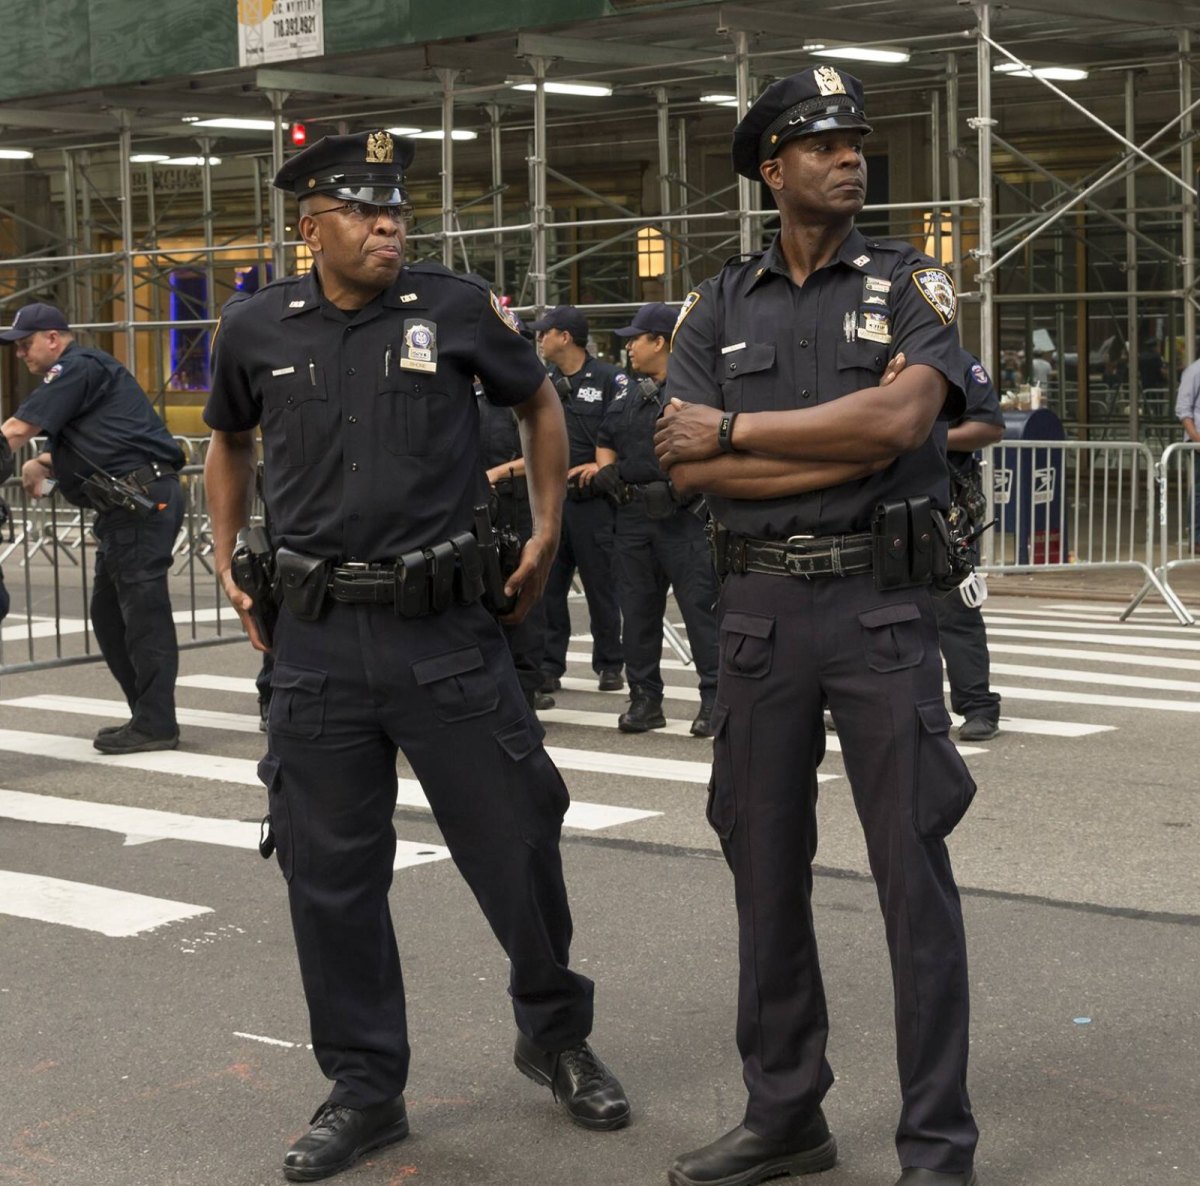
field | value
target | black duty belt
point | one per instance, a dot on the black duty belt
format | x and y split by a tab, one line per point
577	493
150	472
800	555
421	582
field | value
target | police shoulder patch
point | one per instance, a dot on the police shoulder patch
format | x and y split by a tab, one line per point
53	373
979	374
505	314
689	303
936	286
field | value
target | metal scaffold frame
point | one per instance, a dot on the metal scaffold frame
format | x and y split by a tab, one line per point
538	255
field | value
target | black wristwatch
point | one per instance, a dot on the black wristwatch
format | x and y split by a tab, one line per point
725	432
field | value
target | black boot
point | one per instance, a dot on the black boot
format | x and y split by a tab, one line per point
702	726
643	714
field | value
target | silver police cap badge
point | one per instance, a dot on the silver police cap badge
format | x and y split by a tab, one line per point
935	285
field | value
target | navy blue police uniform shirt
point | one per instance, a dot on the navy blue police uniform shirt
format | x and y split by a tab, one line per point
750	340
104	412
499	431
983	406
369	426
593	388
628	429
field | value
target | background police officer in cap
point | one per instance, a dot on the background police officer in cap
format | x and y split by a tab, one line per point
587	386
659	542
96	417
961	627
788	429
359	375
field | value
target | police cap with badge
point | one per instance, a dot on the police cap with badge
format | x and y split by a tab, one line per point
819	99
363	167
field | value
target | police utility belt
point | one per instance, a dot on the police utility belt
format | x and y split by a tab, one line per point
909	544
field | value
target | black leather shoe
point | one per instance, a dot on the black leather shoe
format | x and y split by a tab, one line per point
550	683
611	680
742	1157
340	1136
642	715
587	1090
105	730
128	740
542	701
702	726
920	1177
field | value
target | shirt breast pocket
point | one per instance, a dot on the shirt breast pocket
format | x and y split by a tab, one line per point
860	364
296	405
749	378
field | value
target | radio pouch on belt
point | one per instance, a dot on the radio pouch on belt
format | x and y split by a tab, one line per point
469	568
412	593
659	500
890	546
920	540
303	582
441	576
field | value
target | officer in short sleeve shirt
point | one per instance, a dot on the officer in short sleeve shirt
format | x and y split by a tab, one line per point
793	476
96	416
587	386
360	377
961	628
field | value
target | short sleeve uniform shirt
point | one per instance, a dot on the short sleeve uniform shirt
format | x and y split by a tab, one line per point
88	400
751	340
628	429
369	424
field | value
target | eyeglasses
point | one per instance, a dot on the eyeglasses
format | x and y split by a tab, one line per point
366	212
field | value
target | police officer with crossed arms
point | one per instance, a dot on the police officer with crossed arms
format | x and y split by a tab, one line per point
359	376
827	488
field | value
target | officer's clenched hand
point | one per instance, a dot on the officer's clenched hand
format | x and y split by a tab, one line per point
242	602
894	367
687	432
530	577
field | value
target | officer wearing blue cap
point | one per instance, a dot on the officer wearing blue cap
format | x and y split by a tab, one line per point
659	537
96	418
587	386
359	376
827	488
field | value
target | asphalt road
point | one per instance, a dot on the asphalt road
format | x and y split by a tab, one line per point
176	1054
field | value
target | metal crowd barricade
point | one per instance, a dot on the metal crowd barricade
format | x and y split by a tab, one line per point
1073	506
1178	513
47	553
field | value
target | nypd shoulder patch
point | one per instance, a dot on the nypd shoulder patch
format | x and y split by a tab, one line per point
936	286
689	303
53	373
979	374
505	315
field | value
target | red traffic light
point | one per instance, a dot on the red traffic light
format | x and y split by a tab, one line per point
299	134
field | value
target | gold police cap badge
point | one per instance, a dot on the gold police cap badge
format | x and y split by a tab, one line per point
380	149
829	81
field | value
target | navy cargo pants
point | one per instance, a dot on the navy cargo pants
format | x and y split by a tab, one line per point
787	645
652	556
131	606
347	692
965	649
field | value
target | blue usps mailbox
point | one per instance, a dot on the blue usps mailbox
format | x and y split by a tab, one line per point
1030	487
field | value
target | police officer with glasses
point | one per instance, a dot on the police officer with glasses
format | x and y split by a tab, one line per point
359	375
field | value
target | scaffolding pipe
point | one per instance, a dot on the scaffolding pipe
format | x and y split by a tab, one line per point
1133	330
953	180
984	123
493	114
447	78
663	112
278	215
681	176
741	55
539	260
126	151
1187	167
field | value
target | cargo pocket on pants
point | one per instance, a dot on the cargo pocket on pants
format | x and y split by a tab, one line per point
279	819
459	684
721	811
747	644
297	702
541	796
943	787
892	637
